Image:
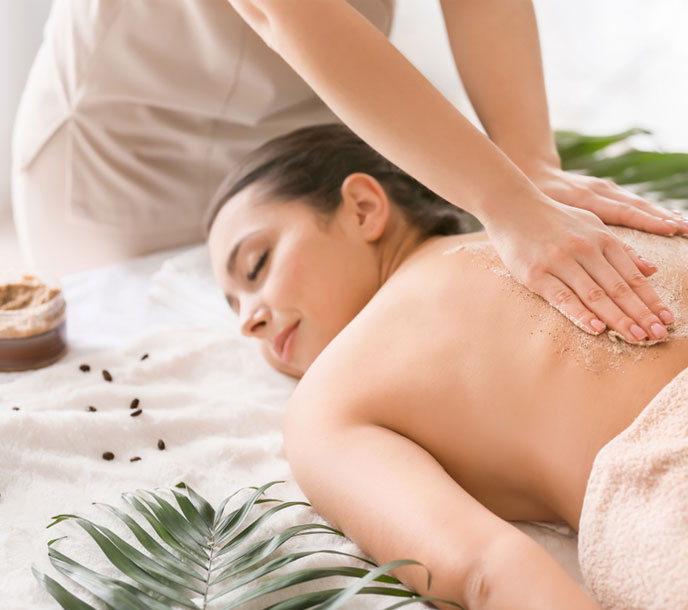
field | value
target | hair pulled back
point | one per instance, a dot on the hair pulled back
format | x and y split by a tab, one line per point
311	164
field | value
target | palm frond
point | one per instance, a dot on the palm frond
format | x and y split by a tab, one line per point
664	175
203	556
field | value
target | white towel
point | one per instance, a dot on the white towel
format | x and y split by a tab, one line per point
203	389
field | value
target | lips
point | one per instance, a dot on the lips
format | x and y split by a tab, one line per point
281	339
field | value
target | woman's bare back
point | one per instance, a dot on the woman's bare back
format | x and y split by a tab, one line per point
511	399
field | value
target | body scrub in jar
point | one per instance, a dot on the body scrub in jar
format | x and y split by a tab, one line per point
32	322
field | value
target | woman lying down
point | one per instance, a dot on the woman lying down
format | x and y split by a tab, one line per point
439	399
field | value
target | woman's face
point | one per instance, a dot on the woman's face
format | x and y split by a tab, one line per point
293	279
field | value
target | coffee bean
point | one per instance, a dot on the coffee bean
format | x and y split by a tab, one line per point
134	403
108	455
85	368
136	458
161	444
135	413
106	375
144	356
92	408
15	408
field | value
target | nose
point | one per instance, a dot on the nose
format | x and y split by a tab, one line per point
256	321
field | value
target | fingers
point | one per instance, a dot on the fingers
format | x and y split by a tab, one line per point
618	212
645	266
561	297
639	213
608	291
641	302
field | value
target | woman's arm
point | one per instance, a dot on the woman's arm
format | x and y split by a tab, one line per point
396	501
497	52
564	254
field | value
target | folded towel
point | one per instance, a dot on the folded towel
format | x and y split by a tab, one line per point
633	535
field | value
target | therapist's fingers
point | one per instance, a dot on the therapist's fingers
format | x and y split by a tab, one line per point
573	261
612	203
595	306
612	287
617	254
560	296
645	266
613	191
618	209
594	310
597	295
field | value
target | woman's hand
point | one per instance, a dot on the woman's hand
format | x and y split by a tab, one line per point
611	203
568	257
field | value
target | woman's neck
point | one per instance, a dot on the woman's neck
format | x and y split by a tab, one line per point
399	244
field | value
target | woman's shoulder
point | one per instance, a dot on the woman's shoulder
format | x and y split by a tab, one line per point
372	360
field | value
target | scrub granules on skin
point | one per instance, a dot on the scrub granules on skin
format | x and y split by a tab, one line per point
106	375
15	408
134	403
161	444
144	356
669	254
85	368
136	458
108	455
91	408
136	413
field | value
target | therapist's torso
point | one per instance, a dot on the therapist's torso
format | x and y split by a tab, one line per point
157	100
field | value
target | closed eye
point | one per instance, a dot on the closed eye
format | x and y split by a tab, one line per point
259	265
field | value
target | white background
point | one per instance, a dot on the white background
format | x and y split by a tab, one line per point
609	65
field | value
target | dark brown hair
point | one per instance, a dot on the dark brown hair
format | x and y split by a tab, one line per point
312	163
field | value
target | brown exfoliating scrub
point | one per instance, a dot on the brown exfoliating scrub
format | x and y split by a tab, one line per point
32	322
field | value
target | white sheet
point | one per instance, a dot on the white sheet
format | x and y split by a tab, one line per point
204	390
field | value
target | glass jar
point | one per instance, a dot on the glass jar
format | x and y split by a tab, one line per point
33	328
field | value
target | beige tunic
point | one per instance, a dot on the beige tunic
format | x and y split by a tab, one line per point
133	113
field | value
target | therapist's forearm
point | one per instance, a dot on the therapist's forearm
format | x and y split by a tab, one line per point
383	98
497	52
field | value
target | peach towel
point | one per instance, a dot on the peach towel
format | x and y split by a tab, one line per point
633	536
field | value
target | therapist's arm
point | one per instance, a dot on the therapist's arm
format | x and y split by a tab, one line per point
496	49
562	253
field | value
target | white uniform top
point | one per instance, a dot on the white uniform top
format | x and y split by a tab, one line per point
151	102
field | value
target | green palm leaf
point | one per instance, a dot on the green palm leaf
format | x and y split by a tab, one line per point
663	174
573	146
202	556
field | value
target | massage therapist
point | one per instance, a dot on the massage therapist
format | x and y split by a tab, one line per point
134	112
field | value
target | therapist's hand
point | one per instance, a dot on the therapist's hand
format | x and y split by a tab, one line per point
571	259
613	204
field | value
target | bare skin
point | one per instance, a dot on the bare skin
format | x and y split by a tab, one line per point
513	183
517	413
487	379
440	399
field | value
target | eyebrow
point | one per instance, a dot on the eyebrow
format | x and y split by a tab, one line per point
231	260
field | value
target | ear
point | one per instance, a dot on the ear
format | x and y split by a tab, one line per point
365	202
